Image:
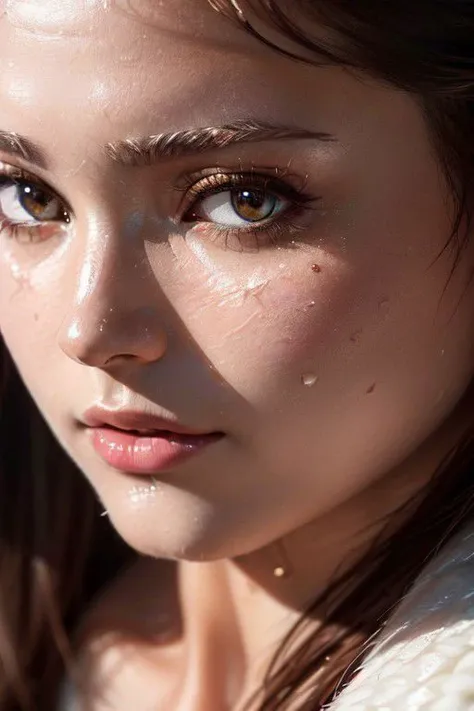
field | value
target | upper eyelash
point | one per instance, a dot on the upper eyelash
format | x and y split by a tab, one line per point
221	181
13	174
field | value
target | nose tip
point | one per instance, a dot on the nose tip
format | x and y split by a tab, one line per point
111	340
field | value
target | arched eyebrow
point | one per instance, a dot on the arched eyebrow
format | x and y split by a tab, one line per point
148	150
151	149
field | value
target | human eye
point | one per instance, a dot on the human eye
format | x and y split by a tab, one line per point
28	206
245	211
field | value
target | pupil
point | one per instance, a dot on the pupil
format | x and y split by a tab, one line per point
253	205
33	200
253	200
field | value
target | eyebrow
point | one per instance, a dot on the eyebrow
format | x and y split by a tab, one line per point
148	150
14	144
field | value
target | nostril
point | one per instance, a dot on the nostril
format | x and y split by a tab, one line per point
115	339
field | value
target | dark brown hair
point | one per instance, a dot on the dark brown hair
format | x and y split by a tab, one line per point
52	540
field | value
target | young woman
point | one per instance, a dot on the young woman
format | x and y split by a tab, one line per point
236	261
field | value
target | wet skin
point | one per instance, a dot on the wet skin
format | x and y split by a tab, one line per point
319	339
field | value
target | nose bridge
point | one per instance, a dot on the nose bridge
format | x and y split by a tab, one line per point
112	308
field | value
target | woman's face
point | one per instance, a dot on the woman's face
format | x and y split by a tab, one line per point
289	290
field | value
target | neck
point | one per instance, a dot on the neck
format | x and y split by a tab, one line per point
271	587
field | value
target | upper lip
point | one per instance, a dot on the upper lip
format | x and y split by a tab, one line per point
135	420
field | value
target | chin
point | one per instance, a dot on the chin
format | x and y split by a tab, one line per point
195	533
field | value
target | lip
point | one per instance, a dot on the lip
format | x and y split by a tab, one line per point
141	443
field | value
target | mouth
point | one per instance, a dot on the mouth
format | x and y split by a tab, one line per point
142	444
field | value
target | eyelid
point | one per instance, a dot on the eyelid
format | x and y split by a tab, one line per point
15	174
223	181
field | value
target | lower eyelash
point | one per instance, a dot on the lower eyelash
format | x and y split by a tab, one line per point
251	239
20	232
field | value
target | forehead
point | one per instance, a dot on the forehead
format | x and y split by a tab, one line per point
77	74
122	60
120	32
57	17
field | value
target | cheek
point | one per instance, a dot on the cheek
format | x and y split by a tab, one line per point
30	312
266	330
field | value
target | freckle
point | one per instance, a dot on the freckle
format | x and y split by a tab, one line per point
355	336
316	268
371	389
36	317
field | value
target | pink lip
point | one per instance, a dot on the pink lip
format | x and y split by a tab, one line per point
139	443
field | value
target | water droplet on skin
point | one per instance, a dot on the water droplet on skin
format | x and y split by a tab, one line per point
312	303
309	379
316	268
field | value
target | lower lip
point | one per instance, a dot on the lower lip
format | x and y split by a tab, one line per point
139	454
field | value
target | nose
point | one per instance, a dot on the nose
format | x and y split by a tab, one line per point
116	310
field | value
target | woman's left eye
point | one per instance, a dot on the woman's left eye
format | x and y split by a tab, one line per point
238	207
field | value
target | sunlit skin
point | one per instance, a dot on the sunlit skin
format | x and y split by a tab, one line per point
331	348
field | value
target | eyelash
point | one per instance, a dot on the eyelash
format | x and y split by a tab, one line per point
266	232
21	231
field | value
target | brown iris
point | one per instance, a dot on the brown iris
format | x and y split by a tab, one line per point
253	205
40	204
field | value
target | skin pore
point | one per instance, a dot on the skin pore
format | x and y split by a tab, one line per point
331	347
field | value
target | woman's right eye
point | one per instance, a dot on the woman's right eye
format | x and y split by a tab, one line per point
25	203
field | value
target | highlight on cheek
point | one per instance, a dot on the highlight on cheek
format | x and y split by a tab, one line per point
18	273
230	289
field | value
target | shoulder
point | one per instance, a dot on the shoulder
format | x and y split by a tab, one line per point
424	658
